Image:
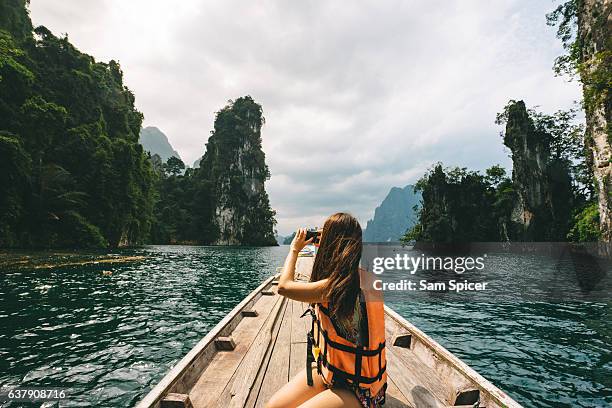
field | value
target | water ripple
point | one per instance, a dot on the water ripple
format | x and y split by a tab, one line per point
113	336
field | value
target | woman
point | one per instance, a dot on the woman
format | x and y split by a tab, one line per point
347	337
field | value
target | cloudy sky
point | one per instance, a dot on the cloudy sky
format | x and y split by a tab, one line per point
359	96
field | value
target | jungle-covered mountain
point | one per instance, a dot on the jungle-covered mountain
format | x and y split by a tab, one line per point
72	170
234	165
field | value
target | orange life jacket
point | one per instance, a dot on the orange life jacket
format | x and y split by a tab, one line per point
340	361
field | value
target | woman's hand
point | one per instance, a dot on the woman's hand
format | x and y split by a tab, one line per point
299	241
309	292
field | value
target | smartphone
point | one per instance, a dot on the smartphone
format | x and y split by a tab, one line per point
313	234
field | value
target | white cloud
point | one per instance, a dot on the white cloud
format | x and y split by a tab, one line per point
359	96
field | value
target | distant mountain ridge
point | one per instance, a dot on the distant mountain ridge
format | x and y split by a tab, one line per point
155	141
394	216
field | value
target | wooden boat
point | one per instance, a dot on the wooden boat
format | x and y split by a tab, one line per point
261	344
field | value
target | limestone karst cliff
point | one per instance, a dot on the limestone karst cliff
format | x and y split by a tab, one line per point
530	152
542	185
234	166
594	45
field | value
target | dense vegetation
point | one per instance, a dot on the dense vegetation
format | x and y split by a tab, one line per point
462	206
224	200
72	171
548	198
581	24
584	28
173	211
561	184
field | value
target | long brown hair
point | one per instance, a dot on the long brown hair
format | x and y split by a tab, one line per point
338	260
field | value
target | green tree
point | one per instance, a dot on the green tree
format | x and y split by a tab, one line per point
70	131
174	166
14	183
459	206
586	225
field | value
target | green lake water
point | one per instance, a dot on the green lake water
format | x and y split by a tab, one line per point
110	338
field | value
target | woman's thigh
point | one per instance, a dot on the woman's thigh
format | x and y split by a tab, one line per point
296	391
333	398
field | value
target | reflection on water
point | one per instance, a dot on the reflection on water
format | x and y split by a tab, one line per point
113	336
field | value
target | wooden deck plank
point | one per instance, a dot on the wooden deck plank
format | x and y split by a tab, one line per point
277	371
299	329
259	378
244	379
428	378
218	373
297	361
300	325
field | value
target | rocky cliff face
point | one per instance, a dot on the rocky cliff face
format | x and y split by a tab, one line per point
234	165
543	186
595	41
394	216
530	152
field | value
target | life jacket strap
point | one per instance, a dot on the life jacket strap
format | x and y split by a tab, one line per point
359	352
309	344
309	360
349	349
354	379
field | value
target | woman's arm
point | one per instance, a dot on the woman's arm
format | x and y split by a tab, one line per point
311	292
